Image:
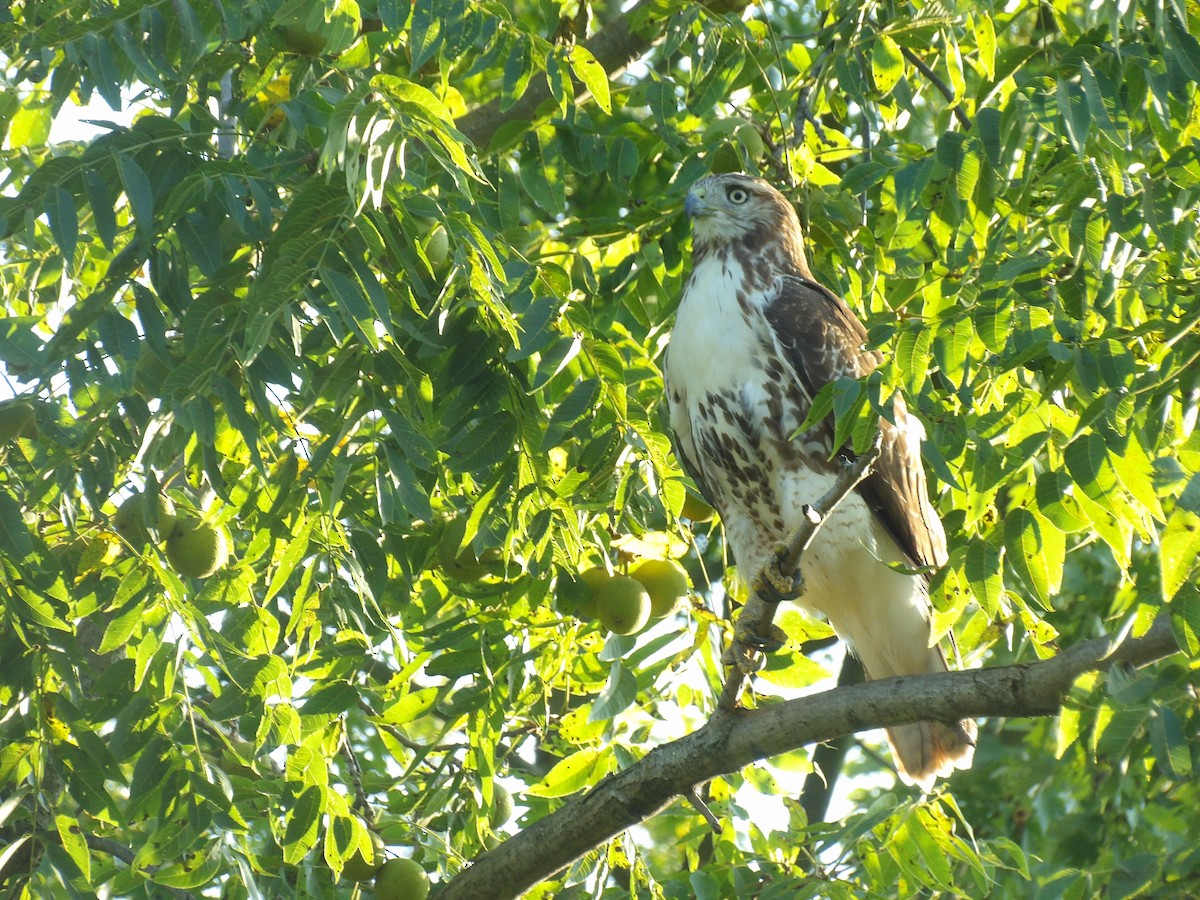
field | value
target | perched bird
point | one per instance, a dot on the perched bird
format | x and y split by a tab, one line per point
755	339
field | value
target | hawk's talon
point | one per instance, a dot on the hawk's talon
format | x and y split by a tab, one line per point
742	657
753	635
774	640
773	586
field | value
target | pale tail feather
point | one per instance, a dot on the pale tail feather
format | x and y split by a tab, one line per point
889	632
929	750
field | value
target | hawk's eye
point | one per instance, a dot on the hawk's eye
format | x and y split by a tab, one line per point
737	195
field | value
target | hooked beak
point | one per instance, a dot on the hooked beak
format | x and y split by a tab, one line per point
694	204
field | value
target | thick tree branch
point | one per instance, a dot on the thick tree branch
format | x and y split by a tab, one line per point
735	738
615	47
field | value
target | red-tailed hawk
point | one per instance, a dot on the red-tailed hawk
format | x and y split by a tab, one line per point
755	339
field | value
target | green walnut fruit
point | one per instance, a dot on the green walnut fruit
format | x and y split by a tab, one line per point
133	518
196	549
591	580
17	420
502	806
437	247
401	879
359	868
695	509
666	582
725	159
623	605
459	562
301	40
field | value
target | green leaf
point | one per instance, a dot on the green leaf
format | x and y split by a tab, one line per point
75	844
863	176
1036	550
410	707
331	700
1056	501
300	833
793	670
1171	747
1185	619
1076	118
1087	461
887	64
64	221
118	630
426	31
577	404
588	70
306	765
579	770
984	570
138	191
620	691
15	538
30	125
293	552
1178	551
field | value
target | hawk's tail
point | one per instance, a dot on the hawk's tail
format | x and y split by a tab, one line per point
923	750
929	750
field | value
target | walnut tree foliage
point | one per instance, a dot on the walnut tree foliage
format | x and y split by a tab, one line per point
403	346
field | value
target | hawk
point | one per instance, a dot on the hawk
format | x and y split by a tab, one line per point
755	339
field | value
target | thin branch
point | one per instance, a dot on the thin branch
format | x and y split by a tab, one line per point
361	803
615	47
736	738
693	795
816	514
759	613
937	82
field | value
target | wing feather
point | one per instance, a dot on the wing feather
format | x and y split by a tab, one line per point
823	340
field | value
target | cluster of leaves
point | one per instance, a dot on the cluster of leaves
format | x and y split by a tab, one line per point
413	373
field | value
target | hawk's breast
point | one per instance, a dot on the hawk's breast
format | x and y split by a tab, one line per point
735	401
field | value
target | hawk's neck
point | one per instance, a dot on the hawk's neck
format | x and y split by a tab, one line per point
761	263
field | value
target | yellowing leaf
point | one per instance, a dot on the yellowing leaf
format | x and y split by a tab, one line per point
1036	549
1178	551
887	64
985	42
588	70
577	771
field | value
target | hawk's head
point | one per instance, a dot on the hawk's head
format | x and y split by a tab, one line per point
745	215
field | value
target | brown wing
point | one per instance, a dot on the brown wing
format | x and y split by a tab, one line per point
824	341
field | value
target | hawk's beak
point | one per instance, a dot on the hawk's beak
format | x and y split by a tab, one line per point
694	204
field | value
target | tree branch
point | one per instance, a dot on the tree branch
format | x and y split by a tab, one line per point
615	47
755	618
735	738
936	81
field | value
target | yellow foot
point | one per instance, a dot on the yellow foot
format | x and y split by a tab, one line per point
753	635
775	585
